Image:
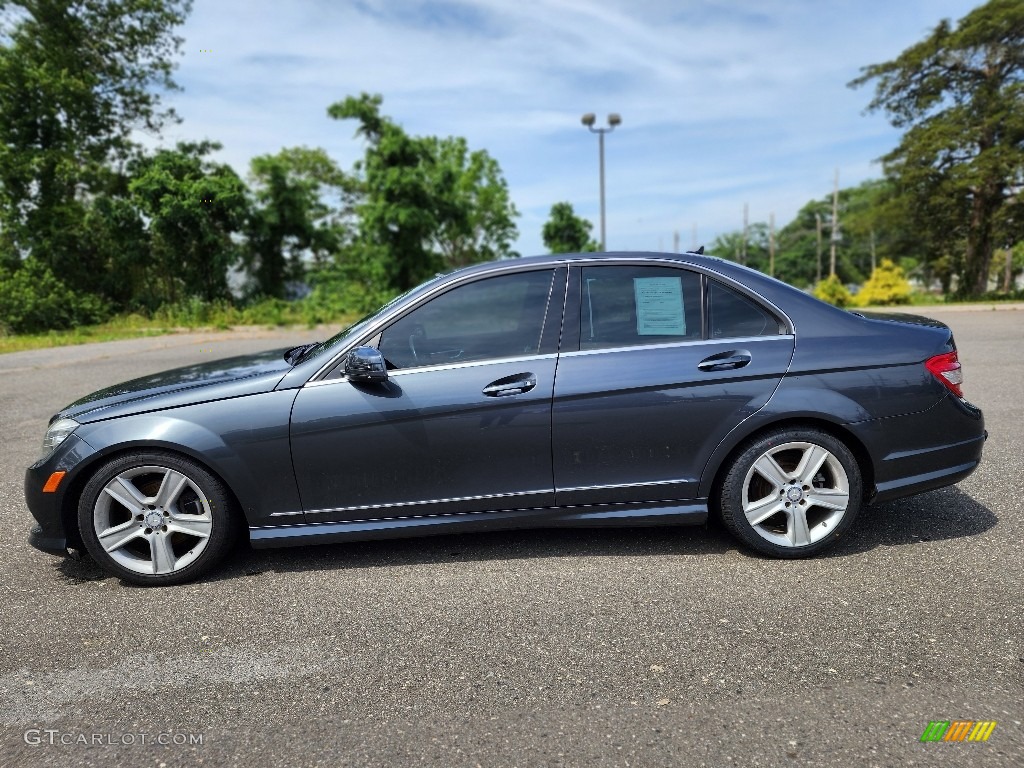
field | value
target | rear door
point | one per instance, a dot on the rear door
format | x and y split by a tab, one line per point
658	363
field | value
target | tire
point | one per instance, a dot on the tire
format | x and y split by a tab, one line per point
156	519
791	493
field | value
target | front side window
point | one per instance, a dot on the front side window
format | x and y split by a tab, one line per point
487	319
630	306
731	315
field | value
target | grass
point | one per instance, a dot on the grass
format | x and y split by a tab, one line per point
110	331
186	317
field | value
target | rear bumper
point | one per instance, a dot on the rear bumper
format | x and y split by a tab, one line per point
923	451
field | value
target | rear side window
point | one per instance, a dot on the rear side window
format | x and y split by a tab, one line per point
731	315
630	306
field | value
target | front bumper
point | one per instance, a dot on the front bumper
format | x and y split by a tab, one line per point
51	545
56	515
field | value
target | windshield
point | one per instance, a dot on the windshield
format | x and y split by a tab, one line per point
364	321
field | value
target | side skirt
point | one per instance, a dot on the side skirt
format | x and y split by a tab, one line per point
694	512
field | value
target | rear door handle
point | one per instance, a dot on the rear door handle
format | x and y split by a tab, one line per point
515	384
725	361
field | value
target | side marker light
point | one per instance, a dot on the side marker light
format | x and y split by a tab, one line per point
53	482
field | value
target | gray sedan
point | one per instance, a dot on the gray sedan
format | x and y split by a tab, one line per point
571	390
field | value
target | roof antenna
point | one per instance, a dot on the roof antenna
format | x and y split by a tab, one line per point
700	251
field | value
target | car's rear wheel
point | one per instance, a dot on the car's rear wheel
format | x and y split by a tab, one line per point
792	492
155	519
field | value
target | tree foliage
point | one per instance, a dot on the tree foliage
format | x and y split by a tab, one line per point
959	93
194	206
289	220
78	76
477	216
424	203
565	232
32	299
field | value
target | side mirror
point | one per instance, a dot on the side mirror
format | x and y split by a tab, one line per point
366	365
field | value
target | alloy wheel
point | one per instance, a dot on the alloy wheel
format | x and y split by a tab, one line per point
152	520
795	494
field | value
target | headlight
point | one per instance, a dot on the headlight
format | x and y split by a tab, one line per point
57	434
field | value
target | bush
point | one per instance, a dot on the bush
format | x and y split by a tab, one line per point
33	300
833	291
195	312
887	285
271	311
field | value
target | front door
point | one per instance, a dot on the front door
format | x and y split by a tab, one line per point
463	423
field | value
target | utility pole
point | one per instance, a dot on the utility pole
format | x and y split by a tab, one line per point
817	218
835	225
872	249
675	241
694	238
771	244
743	250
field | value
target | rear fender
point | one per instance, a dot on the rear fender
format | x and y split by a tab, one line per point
786	406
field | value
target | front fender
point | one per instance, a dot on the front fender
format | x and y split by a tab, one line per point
243	440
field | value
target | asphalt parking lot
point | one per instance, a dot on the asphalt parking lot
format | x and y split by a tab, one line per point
644	647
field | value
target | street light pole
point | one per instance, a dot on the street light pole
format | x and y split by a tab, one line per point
613	120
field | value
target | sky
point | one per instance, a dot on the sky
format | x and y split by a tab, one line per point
722	103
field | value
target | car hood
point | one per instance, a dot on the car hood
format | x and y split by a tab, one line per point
214	380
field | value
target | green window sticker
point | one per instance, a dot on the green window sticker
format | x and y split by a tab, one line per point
659	306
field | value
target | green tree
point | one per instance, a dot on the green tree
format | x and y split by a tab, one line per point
476	220
397	212
959	95
565	232
78	76
423	203
113	241
194	207
290	218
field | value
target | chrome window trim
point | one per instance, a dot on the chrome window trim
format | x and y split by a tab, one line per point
401	309
440	367
575	261
669	345
680	263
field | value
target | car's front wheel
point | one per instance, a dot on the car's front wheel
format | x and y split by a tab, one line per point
155	519
792	492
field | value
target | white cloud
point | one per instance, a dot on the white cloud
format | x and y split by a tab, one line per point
722	102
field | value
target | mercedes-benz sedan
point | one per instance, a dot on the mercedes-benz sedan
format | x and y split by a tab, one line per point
572	390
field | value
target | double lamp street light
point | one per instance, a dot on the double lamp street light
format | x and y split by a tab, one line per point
613	120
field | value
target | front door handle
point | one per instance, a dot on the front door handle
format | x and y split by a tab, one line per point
725	361
515	384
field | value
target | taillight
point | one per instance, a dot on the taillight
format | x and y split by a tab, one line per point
946	368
